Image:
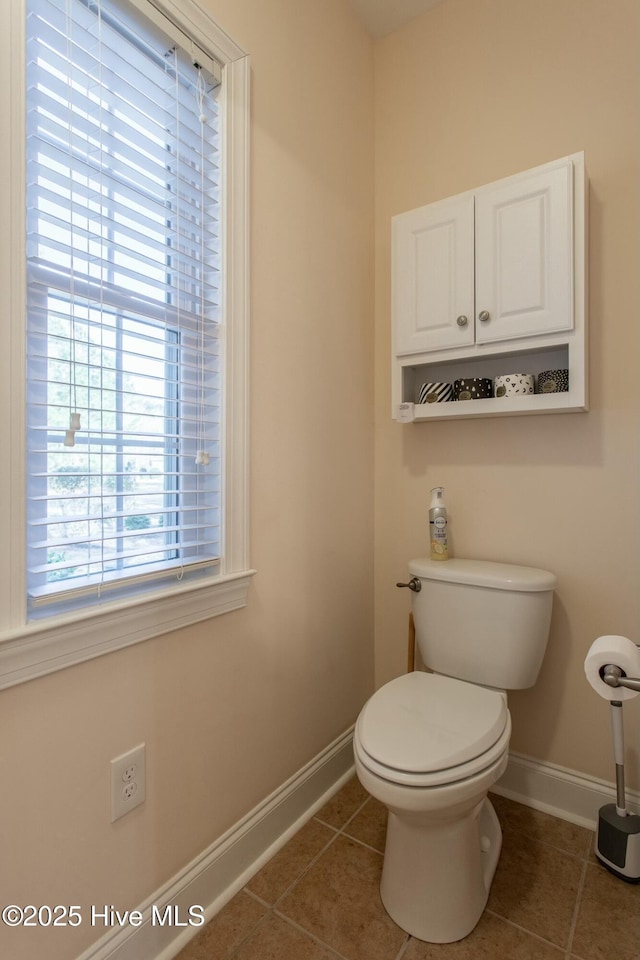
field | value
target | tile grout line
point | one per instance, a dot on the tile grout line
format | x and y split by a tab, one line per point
518	926
337	831
303	872
403	948
558	847
261	922
272	909
342	831
581	884
576	909
307	933
348	820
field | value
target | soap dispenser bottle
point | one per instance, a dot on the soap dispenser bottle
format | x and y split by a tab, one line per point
438	525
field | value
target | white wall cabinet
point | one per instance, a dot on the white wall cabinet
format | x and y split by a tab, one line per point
433	276
492	282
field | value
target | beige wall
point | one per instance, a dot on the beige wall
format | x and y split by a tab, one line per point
473	91
230	709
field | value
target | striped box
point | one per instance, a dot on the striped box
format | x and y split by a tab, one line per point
435	393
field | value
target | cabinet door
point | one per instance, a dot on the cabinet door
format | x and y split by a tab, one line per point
524	255
432	277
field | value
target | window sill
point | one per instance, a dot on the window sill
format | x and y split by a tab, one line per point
42	648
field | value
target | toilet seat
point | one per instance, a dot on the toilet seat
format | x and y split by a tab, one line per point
423	729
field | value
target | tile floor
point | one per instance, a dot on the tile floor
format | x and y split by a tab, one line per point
318	898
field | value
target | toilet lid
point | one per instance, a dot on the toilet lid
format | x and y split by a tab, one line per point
424	723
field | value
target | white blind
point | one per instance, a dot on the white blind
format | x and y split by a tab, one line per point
124	334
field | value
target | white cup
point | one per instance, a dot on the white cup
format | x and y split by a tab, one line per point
513	384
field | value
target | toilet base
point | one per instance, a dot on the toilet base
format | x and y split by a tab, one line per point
450	865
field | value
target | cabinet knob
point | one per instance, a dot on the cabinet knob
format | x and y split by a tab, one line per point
462	321
484	316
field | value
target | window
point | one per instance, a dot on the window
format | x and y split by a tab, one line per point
135	320
123	305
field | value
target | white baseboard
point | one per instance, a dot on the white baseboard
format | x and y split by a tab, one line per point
226	866
557	790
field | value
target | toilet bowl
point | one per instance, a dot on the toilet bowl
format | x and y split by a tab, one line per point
430	745
429	748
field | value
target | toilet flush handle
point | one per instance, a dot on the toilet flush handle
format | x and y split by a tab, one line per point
414	584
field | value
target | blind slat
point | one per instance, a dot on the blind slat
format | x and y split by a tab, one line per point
109	581
104	294
48	165
138	237
127	560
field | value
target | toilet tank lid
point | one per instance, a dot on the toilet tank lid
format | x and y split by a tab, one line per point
484	573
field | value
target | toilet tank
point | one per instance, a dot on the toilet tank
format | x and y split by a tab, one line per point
484	622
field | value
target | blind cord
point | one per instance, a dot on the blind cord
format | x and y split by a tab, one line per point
74	416
180	571
102	269
202	456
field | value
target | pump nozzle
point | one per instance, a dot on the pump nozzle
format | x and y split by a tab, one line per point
437	497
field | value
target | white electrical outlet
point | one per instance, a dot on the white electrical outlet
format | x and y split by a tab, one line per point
127	782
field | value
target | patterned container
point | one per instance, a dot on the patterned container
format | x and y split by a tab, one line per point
553	381
473	388
435	393
513	384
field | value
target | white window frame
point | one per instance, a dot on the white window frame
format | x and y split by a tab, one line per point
29	650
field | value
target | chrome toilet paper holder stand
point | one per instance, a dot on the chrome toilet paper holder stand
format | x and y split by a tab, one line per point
614	676
617	844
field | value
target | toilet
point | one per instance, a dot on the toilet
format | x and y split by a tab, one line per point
430	745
